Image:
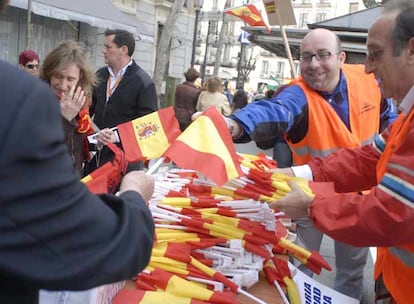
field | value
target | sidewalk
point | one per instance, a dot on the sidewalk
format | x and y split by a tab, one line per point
327	277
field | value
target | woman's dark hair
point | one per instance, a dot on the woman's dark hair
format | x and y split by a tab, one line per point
239	99
191	74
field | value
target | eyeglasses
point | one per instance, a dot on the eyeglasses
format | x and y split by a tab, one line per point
320	56
32	66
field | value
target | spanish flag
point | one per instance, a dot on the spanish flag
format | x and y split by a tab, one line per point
147	137
206	146
250	14
97	181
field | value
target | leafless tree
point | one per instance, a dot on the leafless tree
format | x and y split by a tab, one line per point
223	31
163	45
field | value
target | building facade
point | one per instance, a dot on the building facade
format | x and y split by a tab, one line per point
48	22
264	63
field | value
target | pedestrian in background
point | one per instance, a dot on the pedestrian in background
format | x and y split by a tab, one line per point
239	100
186	96
213	97
29	61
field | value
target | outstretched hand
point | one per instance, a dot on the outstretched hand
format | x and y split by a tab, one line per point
287	171
295	204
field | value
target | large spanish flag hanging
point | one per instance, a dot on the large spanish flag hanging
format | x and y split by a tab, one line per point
206	146
249	13
147	137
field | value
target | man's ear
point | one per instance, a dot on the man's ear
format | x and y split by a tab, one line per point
124	48
410	48
342	58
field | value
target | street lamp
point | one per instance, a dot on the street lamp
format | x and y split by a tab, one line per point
198	4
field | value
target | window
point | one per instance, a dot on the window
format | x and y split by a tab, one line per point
128	6
320	17
265	69
303	19
280	67
353	6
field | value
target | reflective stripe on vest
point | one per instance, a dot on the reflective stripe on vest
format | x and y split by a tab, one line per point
307	150
405	256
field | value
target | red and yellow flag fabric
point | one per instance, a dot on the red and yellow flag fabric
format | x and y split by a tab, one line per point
147	137
97	181
130	296
206	146
249	13
180	287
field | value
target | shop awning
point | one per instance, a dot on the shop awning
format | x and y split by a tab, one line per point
97	13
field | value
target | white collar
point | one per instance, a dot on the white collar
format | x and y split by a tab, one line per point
121	71
408	101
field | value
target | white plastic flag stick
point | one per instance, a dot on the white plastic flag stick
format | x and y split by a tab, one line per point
281	292
173	227
249	295
155	166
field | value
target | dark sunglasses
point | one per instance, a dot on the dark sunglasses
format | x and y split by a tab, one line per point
32	66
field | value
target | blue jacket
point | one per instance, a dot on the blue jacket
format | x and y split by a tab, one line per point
287	114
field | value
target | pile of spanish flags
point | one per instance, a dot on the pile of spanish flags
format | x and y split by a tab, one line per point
212	241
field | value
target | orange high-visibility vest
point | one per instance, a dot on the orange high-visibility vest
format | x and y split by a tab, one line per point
395	263
326	131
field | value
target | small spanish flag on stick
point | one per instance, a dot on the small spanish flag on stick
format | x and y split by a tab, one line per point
206	146
147	137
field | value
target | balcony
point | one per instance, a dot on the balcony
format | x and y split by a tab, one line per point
302	5
323	4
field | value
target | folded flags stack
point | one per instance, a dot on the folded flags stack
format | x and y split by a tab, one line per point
218	235
213	227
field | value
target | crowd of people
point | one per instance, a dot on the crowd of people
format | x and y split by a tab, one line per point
337	123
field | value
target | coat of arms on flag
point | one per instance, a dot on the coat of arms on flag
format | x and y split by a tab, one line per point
147	137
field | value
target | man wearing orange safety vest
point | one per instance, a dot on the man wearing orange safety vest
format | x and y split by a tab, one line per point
385	216
331	106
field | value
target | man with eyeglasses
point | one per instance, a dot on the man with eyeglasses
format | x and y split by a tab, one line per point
385	216
29	61
330	106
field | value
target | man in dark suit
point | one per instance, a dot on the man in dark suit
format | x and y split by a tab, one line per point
125	91
55	234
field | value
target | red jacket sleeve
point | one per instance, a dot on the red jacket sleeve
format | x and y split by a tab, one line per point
356	165
385	216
